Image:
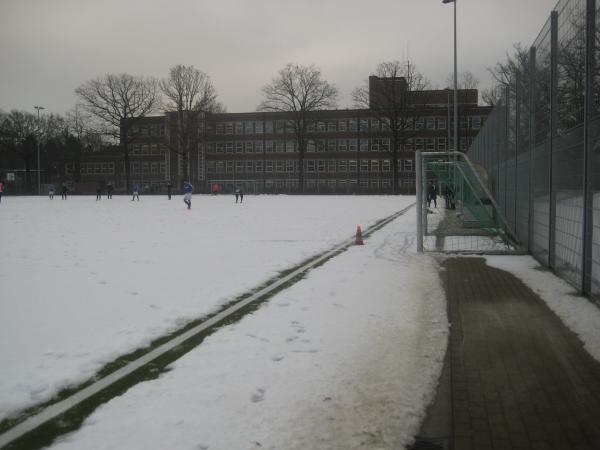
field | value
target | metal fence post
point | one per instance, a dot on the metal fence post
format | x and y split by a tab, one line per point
532	93
588	199
553	128
517	130
419	186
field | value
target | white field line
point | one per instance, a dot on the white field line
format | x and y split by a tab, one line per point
62	406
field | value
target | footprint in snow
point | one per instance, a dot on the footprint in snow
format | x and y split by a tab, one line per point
258	396
276	358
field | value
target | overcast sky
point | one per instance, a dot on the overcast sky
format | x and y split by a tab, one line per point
49	47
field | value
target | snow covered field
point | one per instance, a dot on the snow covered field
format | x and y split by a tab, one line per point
346	358
82	282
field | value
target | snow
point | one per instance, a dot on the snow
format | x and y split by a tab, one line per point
347	358
83	282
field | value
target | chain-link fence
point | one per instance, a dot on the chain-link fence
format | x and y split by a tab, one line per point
541	145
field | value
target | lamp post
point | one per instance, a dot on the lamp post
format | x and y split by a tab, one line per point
38	150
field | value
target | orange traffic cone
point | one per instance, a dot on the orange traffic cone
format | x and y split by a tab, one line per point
359	240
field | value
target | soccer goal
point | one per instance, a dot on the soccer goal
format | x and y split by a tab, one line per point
456	212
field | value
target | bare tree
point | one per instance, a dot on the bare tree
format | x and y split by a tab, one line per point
397	98
504	72
299	90
19	134
119	101
189	92
466	80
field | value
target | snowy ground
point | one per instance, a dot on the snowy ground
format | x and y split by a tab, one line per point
83	282
346	358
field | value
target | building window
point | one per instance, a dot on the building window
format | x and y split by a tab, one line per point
331	145
258	147
220	166
310	165
352	165
476	122
419	124
220	147
352	145
249	147
239	166
441	123
279	146
229	166
331	165
331	126
249	166
321	126
430	123
269	127
279	166
239	128
419	144
385	145
375	145
258	127
364	165
342	125
374	125
430	144
310	146
269	146
229	128
280	126
290	146
408	165
441	144
321	165
249	127
364	125
258	165
385	165
364	145
239	147
289	166
342	145
352	124
269	166
229	147
374	165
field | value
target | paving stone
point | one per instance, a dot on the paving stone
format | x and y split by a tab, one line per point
519	378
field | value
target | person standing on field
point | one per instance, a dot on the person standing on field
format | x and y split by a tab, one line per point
136	192
1	189
51	191
432	194
239	194
187	194
65	190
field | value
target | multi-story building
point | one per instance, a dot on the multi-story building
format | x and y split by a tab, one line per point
348	151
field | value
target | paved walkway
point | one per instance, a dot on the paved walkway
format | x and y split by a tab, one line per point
515	376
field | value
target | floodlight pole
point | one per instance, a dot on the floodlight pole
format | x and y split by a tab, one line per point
39	186
455	96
